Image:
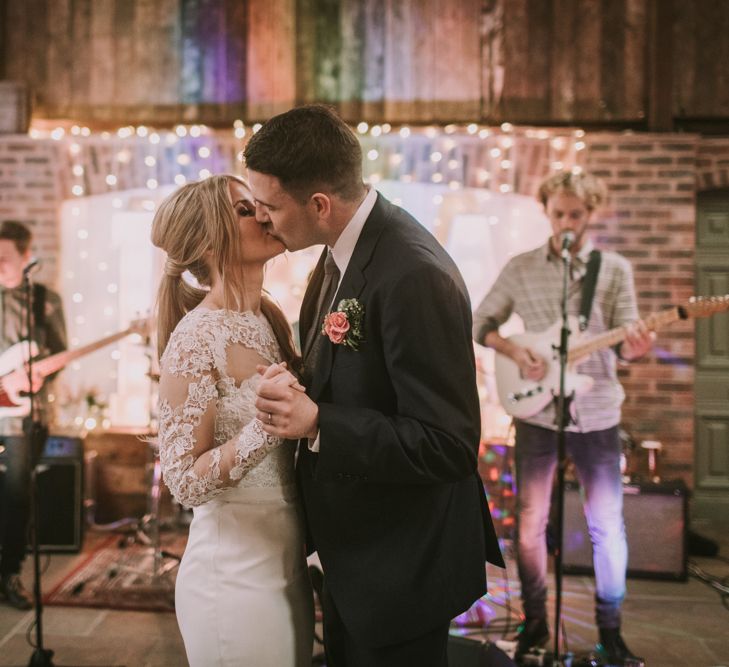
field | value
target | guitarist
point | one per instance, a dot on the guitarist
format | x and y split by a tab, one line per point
50	335
530	285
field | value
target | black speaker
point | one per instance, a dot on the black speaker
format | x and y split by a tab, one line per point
60	495
475	651
655	525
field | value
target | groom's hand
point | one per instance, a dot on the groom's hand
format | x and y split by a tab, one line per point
283	407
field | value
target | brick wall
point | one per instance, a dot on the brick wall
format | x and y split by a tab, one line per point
30	192
651	221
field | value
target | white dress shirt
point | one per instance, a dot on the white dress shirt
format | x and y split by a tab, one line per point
343	250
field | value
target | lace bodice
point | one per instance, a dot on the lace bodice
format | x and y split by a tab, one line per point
209	437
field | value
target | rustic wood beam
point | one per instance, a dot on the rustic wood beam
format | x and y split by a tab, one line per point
3	33
659	64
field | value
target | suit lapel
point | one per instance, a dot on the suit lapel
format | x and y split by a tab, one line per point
353	282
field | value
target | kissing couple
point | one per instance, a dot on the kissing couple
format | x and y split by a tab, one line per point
363	448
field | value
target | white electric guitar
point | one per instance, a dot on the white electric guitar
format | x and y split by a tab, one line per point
522	398
14	360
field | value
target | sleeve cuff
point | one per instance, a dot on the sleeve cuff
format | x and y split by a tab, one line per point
313	444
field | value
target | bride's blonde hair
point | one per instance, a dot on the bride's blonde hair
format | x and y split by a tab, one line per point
197	227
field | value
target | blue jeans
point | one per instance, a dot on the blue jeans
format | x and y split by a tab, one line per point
596	457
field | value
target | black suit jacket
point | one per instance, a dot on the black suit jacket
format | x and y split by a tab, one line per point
394	504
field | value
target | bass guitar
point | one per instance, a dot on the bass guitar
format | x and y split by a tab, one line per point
522	398
15	358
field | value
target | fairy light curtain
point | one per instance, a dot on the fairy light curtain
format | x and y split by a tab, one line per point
471	186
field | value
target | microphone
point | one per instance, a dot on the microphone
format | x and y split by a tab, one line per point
32	266
568	239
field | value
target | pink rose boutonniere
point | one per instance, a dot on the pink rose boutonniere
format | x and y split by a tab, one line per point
344	325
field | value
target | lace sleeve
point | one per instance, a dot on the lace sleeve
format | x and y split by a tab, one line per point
194	468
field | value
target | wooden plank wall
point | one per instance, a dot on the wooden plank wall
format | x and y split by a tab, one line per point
419	61
701	59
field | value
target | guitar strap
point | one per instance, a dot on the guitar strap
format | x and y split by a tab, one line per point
39	306
588	288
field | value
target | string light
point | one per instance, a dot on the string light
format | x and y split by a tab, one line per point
444	145
451	156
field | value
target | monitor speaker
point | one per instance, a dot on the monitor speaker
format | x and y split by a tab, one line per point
60	495
655	524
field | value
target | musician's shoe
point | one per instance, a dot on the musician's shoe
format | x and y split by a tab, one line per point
612	649
533	633
14	593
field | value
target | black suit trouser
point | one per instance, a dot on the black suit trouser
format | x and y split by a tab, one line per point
342	650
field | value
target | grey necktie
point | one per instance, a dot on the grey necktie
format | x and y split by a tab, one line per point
324	302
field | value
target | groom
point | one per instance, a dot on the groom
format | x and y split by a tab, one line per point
389	424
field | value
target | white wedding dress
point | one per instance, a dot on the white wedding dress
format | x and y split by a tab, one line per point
243	595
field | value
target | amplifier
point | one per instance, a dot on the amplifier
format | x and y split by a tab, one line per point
60	494
655	525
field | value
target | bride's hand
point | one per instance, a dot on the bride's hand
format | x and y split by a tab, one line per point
279	374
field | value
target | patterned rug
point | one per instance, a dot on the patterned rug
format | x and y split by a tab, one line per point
118	575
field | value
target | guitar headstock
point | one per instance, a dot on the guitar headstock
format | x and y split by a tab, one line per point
703	306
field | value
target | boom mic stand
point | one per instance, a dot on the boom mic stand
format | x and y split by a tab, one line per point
562	405
35	434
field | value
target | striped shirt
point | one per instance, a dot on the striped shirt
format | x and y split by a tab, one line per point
530	285
51	338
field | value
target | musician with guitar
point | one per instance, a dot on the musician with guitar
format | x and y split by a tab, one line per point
50	336
530	285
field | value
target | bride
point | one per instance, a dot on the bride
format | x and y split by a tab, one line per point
242	596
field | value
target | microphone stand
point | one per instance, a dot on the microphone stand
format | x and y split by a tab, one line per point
562	405
35	435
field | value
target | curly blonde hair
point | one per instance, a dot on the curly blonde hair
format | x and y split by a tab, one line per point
590	189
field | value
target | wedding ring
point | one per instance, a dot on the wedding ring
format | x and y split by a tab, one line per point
270	418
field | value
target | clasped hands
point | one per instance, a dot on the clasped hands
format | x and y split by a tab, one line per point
283	406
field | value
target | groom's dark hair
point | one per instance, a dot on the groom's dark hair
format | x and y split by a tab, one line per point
308	148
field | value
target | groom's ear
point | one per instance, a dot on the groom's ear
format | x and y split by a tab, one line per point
322	204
